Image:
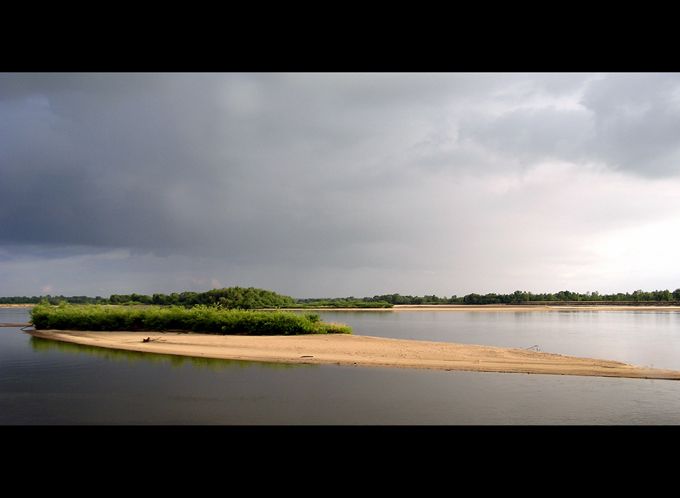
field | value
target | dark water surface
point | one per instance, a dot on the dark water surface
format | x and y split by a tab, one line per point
47	382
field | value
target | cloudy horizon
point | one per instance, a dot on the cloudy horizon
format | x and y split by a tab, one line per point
338	184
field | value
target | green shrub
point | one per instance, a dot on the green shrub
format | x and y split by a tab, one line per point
200	318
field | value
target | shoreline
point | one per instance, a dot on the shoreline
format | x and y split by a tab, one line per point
508	307
359	351
458	307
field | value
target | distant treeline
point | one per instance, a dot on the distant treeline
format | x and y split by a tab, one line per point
517	297
232	298
252	298
53	300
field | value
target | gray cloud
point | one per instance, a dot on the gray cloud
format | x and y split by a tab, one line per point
334	184
636	122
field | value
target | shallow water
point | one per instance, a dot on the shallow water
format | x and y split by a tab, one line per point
47	382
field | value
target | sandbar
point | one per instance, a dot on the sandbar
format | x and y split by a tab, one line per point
357	350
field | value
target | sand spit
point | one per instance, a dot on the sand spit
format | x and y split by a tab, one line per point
354	350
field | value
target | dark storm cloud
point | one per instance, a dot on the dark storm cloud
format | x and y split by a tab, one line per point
245	165
367	179
91	172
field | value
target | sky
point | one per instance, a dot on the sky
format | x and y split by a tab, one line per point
339	184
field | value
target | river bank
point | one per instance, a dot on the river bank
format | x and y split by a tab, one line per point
526	307
360	351
454	307
499	307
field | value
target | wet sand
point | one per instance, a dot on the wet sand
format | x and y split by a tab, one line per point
360	351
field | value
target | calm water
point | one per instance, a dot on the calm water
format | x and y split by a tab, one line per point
47	382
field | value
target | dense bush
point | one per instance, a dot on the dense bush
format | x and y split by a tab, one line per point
200	318
228	297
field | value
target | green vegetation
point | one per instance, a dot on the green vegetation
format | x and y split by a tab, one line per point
251	298
520	297
53	300
201	318
564	297
232	298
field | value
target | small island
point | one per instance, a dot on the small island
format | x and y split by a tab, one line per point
293	337
250	324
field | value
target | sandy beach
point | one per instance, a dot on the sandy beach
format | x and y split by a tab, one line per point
360	351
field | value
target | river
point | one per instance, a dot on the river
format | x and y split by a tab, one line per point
44	382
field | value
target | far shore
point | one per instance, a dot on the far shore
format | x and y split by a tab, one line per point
360	351
461	307
504	307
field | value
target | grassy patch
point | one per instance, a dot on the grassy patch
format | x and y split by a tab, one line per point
200	318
